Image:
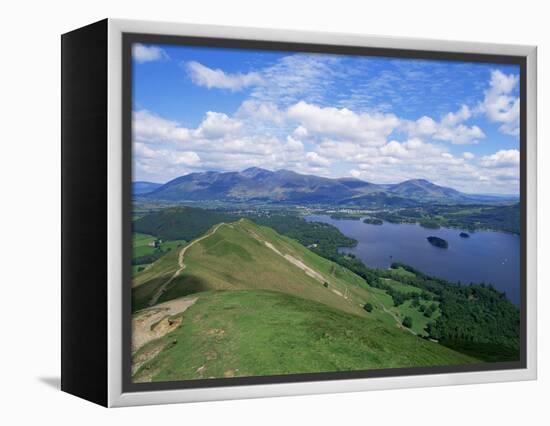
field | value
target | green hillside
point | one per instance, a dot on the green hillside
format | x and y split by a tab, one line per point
242	255
251	333
260	297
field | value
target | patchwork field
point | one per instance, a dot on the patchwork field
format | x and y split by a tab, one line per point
145	252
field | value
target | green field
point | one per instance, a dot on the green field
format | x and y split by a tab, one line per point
400	287
141	244
402	272
141	247
258	332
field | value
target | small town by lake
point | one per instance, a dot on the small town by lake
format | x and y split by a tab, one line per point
486	256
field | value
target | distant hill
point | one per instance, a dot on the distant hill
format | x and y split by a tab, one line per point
179	223
285	186
252	184
379	199
141	187
421	189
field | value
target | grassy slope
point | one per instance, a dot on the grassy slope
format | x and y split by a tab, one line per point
236	257
216	263
400	271
154	276
258	332
400	287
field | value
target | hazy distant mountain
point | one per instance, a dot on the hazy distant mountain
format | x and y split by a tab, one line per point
141	187
261	185
422	189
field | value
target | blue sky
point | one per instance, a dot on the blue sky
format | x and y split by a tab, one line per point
378	119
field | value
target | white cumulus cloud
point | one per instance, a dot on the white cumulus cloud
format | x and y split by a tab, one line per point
343	124
499	104
217	125
211	78
261	112
142	53
317	160
501	159
450	128
149	127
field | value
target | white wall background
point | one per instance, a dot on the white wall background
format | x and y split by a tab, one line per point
30	181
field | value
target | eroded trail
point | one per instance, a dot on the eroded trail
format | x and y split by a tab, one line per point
181	264
153	323
297	262
301	265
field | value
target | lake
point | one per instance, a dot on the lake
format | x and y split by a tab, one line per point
487	256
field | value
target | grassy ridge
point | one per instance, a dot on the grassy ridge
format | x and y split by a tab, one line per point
237	257
255	332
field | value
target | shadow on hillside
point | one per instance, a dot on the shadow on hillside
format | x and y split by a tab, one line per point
182	286
186	285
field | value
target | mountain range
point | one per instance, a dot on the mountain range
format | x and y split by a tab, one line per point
141	187
284	186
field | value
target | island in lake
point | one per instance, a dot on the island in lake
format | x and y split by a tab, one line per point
373	221
438	242
464	235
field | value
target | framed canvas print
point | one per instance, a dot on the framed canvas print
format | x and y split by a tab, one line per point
253	213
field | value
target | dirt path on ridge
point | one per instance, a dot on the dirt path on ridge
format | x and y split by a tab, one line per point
297	262
181	265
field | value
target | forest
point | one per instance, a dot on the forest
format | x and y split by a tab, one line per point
180	223
321	238
475	319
